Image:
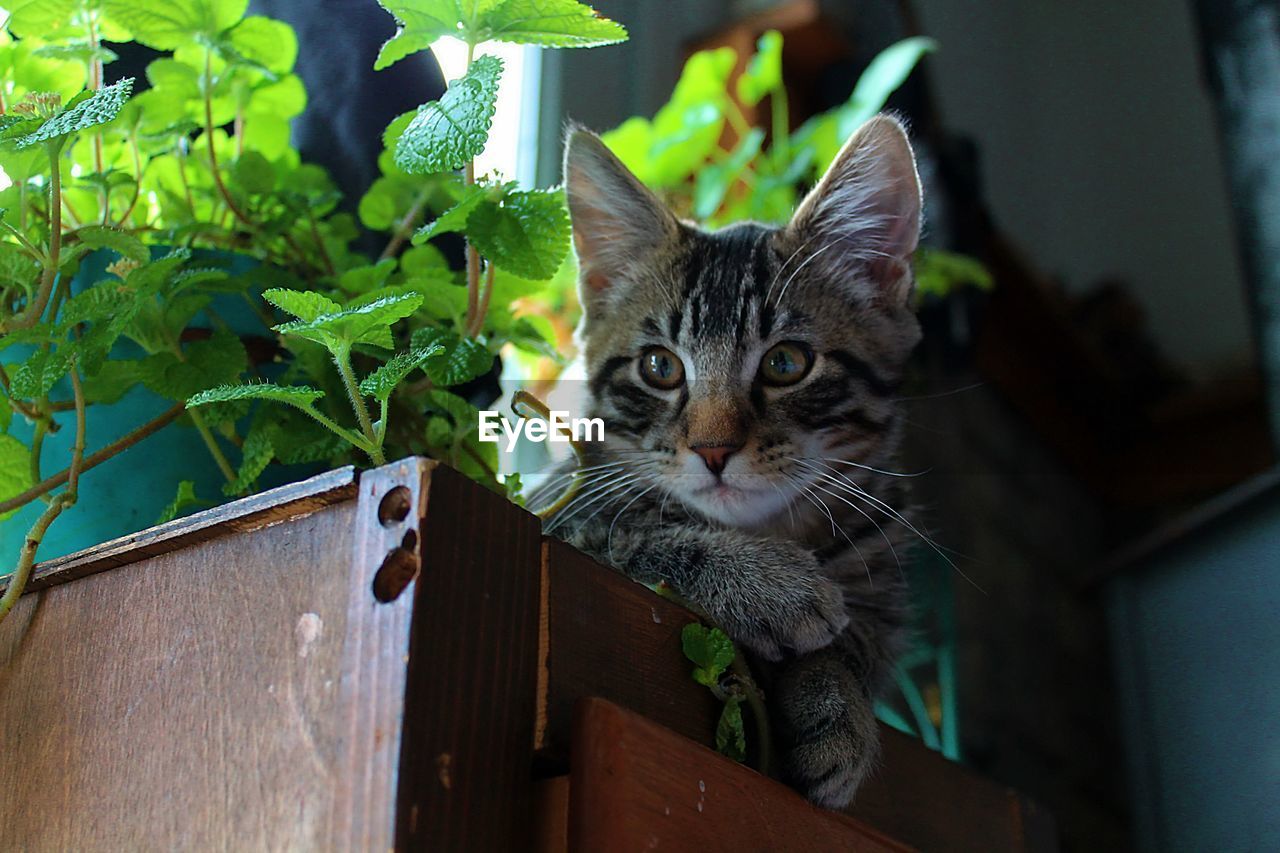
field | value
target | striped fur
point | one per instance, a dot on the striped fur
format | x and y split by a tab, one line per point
793	547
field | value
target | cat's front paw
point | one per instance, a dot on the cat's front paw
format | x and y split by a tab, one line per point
801	612
827	731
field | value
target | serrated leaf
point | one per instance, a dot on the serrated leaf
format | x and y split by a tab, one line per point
382	382
293	395
526	233
122	242
369	323
711	651
763	73
183	500
173	23
731	737
102	302
551	23
35	376
255	455
418	24
306	305
363	279
455	218
263	42
463	359
15	470
464	416
112	381
99	108
445	134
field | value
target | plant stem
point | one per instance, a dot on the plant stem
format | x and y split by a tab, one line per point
214	450
94	459
406	225
482	309
37	449
27	556
35	310
473	255
343	360
324	253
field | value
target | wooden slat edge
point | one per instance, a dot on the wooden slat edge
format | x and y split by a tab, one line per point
270	507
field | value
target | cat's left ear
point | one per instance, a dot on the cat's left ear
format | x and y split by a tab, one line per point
862	221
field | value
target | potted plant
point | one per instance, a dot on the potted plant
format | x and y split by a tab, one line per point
343	358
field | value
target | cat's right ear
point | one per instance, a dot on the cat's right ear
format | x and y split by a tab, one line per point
618	224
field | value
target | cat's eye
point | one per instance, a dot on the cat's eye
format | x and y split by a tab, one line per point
661	368
786	364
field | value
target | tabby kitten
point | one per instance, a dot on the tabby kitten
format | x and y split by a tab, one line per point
746	380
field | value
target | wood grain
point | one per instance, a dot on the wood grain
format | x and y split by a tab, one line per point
638	786
211	696
605	636
260	510
469	708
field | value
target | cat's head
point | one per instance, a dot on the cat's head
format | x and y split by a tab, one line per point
719	359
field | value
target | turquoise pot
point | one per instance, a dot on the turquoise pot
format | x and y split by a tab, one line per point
128	492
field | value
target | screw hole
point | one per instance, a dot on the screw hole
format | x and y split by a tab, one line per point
396	572
395	505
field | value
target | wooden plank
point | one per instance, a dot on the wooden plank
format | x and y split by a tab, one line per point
209	697
260	510
606	636
469	706
551	815
635	785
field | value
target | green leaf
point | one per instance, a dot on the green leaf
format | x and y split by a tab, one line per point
364	279
526	233
445	134
183	500
382	382
463	359
455	218
122	242
763	73
710	649
263	42
99	108
174	23
887	72
306	305
15	470
111	382
550	23
253	174
713	181
255	455
731	737
217	361
938	273
418	24
369	323
293	395
35	376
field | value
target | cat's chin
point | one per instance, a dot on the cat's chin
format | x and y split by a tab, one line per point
736	506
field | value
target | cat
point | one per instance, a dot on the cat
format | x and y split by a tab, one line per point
746	380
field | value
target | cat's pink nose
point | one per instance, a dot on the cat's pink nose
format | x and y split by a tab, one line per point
716	457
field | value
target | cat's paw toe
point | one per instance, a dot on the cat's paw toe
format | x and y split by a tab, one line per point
809	617
827	771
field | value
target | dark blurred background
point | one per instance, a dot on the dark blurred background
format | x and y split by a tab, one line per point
1095	427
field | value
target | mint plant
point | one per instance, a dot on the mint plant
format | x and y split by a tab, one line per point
181	188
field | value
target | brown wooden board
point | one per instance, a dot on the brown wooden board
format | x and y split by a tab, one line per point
605	636
234	682
638	786
468	748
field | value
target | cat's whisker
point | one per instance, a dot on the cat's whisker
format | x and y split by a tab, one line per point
868	517
553	489
609	537
591	497
835	528
860	493
867	467
612	500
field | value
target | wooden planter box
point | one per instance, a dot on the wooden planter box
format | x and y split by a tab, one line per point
398	659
